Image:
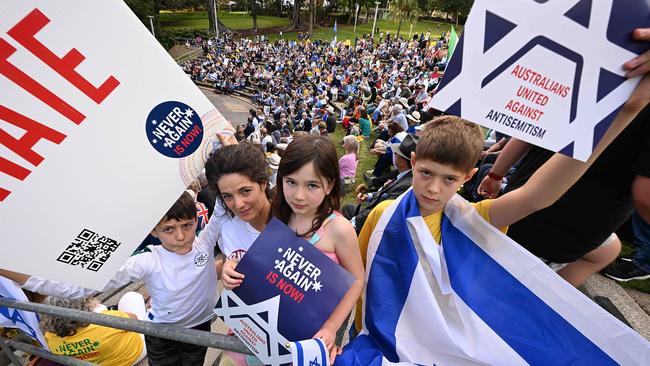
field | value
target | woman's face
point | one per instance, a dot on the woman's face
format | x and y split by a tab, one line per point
245	198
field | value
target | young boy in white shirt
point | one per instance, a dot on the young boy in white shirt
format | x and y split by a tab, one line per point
179	275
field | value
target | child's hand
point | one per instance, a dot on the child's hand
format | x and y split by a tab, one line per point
336	351
226	139
231	278
327	335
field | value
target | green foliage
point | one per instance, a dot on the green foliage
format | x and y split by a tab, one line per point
141	8
234	20
453	6
405	10
346	31
169	36
180	4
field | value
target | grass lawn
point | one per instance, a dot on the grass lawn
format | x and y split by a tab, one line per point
234	20
366	160
345	31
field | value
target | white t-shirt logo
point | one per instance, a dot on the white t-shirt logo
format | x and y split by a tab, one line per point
201	259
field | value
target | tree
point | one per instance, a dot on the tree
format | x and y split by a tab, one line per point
254	13
145	8
425	7
295	20
210	5
312	14
453	7
405	9
141	8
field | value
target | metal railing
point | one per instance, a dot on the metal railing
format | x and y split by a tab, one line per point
167	331
189	56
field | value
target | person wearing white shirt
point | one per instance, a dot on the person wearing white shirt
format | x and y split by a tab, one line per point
178	274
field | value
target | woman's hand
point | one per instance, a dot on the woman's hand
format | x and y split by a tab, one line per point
230	277
640	64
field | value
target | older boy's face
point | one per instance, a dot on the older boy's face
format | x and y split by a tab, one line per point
434	184
176	236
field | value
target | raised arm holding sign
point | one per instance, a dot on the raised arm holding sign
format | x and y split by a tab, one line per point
553	79
444	286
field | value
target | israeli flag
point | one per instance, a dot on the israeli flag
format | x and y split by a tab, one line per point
311	352
14	318
476	299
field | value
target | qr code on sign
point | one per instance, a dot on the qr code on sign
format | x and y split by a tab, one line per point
89	250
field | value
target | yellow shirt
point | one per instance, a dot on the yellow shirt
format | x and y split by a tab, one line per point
99	344
433	222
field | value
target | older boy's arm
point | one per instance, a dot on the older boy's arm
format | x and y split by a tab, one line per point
44	286
134	269
19	278
560	172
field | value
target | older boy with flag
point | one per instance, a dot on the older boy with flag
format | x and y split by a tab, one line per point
446	287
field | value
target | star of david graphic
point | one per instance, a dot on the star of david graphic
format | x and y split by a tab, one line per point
314	362
234	315
589	42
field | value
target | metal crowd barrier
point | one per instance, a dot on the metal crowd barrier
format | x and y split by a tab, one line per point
167	331
189	56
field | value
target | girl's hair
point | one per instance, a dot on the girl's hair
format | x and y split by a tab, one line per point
364	114
302	151
351	145
244	158
65	327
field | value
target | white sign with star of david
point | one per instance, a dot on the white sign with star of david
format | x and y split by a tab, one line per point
545	71
256	325
100	131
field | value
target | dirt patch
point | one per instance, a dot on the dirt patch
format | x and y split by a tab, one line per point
179	50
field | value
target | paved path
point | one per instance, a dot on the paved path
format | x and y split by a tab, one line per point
234	108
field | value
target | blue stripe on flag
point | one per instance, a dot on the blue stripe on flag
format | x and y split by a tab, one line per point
361	351
528	325
301	356
390	278
323	355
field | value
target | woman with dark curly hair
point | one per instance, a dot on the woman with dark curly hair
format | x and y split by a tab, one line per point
92	342
239	175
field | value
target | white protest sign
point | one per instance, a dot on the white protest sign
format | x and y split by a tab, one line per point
547	72
100	133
